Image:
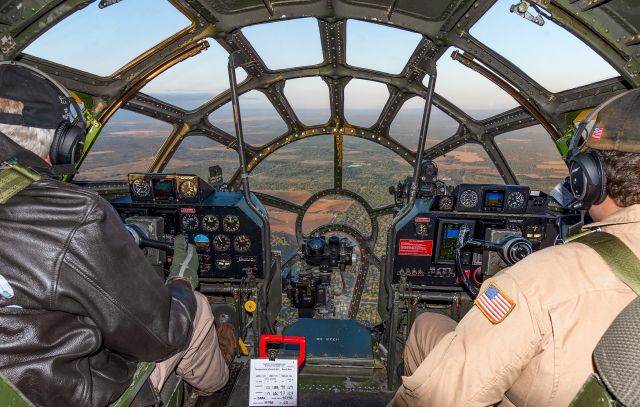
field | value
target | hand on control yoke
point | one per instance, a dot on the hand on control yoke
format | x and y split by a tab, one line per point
185	262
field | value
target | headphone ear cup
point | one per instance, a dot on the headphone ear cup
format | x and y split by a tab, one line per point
587	178
67	145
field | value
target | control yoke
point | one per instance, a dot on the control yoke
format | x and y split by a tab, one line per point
141	239
511	249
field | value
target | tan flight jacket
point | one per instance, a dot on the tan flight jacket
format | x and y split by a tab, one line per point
540	354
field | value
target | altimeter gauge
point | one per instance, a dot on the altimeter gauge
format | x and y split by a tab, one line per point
515	200
140	188
221	243
190	221
210	223
230	223
242	243
469	198
188	189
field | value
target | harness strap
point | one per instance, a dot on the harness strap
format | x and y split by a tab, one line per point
616	254
14	179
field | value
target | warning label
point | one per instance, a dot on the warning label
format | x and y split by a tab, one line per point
411	247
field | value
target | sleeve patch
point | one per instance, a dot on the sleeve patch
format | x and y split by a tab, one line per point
494	304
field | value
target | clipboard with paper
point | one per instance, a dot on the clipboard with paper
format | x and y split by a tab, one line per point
274	381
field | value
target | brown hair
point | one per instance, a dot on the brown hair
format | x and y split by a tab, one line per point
622	171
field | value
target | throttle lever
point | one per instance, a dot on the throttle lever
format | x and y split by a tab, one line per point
463	240
141	239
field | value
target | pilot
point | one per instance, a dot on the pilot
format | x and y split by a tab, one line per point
79	302
529	338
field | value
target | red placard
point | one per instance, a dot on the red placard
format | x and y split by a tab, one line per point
187	210
412	247
422	220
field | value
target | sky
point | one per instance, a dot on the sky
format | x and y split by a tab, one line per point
102	40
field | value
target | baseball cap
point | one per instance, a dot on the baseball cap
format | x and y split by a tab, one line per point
45	105
614	125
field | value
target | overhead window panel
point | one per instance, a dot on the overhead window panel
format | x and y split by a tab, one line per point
296	171
476	95
549	54
363	101
309	98
101	41
470	164
128	143
405	128
196	80
533	157
197	153
379	47
286	44
261	122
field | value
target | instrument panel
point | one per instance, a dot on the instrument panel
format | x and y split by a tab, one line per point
227	234
427	236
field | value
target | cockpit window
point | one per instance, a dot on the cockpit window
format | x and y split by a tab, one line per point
467	164
297	171
261	122
122	32
533	157
309	98
363	101
128	143
336	209
283	231
405	128
286	44
526	45
476	95
371	177
197	153
196	80
379	47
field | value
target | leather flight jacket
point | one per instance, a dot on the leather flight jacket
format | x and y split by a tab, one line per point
79	303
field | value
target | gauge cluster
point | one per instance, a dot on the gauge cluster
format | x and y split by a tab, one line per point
227	235
492	198
154	187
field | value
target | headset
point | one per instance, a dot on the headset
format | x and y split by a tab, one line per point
587	176
69	137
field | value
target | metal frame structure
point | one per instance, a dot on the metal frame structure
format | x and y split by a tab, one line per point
611	28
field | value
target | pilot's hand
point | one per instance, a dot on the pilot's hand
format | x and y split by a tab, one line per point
185	262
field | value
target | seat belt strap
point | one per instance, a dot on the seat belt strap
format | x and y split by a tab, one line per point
13	179
624	263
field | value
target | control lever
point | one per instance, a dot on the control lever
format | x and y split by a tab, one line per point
141	239
511	249
463	238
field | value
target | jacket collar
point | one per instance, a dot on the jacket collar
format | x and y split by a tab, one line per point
629	214
10	150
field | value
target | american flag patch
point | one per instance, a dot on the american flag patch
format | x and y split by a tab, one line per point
597	133
494	304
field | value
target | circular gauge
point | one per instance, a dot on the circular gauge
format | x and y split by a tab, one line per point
242	243
210	223
140	188
188	189
201	242
515	200
468	198
221	243
230	223
422	229
190	221
446	203
222	262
